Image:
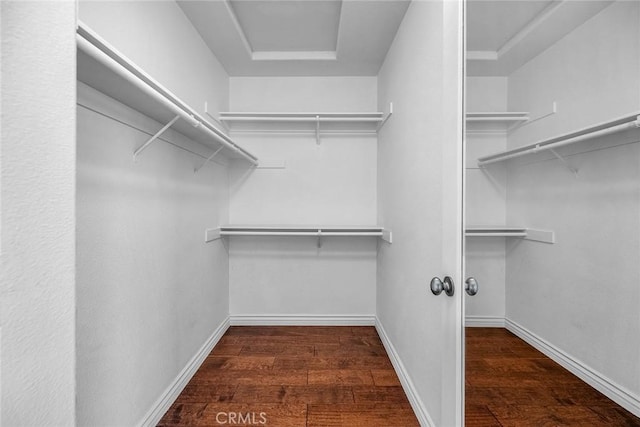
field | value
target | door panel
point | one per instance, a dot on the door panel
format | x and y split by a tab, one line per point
420	199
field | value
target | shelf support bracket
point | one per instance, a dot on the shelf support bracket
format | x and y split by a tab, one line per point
144	146
319	239
554	110
317	130
208	159
564	162
389	114
211	234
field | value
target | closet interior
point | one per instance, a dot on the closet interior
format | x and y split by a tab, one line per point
238	169
552	182
229	173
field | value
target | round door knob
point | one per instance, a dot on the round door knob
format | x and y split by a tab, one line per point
471	286
437	286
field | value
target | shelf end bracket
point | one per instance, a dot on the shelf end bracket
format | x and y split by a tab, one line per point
389	114
544	236
144	146
211	234
318	130
387	236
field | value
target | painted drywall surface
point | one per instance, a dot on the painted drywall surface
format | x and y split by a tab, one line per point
410	184
150	290
485	195
303	94
158	37
581	294
592	74
37	286
149	285
292	276
486	94
331	183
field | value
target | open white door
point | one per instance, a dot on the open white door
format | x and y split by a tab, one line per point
420	179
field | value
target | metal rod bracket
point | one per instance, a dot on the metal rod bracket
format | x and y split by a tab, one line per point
144	146
208	159
564	162
318	130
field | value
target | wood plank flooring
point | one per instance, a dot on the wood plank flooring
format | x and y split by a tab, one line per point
342	376
294	376
510	383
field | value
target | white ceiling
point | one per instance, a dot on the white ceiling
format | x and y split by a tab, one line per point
352	37
490	24
502	35
310	26
297	37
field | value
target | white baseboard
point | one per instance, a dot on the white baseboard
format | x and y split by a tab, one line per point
615	392
302	320
484	322
412	394
162	405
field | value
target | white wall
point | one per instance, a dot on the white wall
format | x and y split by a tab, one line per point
485	196
37	192
158	37
581	294
333	183
592	73
411	191
150	291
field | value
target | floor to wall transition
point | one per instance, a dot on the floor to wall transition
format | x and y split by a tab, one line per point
510	383
294	376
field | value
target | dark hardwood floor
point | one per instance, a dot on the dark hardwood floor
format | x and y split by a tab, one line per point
294	376
510	383
342	376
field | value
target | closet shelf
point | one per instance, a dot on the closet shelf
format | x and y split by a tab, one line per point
617	125
315	123
492	122
544	236
105	69
212	234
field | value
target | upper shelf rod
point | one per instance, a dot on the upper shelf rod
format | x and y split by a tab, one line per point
303	122
319	232
316	118
92	50
94	46
376	117
618	125
497	117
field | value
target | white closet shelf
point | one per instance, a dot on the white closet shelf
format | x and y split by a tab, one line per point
107	70
494	121
309	122
212	234
602	129
537	235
